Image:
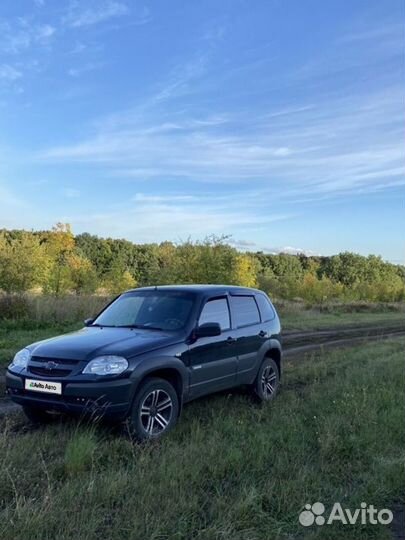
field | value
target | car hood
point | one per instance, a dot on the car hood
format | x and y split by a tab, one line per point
90	342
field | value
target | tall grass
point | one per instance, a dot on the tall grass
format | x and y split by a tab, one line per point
80	451
38	310
231	470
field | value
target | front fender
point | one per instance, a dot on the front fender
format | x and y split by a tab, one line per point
148	366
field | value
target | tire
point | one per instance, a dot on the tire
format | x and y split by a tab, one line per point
267	381
155	409
37	416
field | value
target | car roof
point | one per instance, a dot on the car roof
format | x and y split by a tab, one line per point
204	289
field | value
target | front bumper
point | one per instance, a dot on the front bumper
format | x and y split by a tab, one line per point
99	398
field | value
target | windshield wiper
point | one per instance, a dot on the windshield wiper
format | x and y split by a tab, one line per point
140	326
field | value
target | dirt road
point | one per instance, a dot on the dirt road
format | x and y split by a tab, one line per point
297	344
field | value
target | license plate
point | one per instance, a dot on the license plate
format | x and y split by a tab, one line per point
49	387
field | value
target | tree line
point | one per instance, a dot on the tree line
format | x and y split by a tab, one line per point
58	262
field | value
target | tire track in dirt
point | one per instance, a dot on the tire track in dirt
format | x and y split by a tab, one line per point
297	343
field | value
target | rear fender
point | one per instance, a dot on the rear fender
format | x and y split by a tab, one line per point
270	348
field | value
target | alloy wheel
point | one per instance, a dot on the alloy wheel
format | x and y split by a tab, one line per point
155	412
268	381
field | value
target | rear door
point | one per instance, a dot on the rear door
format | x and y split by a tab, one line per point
246	321
213	359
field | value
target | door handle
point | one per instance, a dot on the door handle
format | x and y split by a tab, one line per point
262	333
231	340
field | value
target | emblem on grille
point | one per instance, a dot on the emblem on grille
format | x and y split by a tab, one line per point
51	365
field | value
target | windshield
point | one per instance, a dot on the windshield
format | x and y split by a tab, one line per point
155	310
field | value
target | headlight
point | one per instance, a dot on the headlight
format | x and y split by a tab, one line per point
20	360
106	365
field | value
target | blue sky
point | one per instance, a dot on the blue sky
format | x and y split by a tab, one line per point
279	122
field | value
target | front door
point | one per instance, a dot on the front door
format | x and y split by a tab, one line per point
213	360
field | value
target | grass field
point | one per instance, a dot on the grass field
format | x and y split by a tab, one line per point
231	469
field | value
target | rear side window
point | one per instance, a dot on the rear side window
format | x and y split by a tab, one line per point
216	311
266	309
244	310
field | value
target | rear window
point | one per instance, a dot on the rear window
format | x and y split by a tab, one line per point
244	310
265	307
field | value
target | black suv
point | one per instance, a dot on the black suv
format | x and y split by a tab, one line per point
148	352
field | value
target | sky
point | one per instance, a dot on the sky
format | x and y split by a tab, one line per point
279	123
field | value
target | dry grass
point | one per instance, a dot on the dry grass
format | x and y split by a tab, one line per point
36	309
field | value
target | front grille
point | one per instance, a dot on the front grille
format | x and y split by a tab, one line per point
53	367
50	372
44	359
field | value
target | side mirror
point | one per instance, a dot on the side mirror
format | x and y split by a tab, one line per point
88	322
208	329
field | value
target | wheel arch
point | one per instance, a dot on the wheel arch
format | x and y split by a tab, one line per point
275	353
169	369
171	375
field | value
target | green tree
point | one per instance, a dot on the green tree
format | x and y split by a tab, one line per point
59	244
245	271
24	263
83	276
118	279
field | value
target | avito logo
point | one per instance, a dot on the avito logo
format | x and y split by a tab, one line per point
314	514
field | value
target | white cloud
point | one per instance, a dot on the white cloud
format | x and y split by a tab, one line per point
291	251
90	13
289	111
9	73
142	197
248	245
390	35
178	218
244	245
78	48
44	32
283	151
18	35
341	145
84	68
71	193
350	145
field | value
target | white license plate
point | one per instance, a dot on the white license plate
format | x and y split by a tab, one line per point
49	387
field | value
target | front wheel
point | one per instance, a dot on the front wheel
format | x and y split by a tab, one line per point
267	381
155	409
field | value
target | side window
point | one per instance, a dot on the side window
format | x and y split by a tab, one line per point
216	311
244	310
266	309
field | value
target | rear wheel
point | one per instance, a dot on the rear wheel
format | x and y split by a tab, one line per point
155	409
267	381
38	416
